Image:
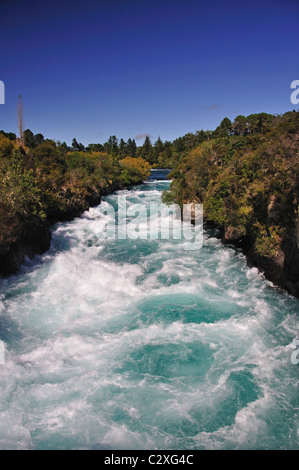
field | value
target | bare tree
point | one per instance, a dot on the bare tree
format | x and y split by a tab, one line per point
20	110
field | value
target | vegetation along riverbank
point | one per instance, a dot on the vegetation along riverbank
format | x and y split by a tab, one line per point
244	172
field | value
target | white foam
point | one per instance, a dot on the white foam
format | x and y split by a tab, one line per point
79	369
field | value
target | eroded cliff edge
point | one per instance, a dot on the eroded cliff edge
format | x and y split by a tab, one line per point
247	179
282	268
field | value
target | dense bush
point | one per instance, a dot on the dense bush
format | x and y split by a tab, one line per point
49	182
134	170
247	180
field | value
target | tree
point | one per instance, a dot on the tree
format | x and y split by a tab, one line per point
157	150
131	147
9	135
147	150
179	144
259	122
21	193
95	148
240	126
202	135
29	139
78	147
63	147
225	128
111	146
135	170
190	140
158	145
122	147
39	139
6	146
20	112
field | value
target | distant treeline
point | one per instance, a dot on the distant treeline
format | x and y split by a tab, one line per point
160	154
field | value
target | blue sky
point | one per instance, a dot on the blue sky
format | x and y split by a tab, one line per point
90	69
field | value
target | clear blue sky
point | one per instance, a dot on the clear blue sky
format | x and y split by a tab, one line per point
89	69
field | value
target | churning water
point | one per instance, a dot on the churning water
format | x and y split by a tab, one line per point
140	344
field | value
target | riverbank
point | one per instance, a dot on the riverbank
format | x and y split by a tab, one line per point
47	184
248	185
144	344
281	268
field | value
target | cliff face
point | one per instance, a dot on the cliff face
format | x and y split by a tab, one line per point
19	238
282	268
290	247
32	238
281	264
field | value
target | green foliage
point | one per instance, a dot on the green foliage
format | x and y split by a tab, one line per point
47	182
224	129
10	135
131	148
31	140
6	146
248	180
134	170
111	146
19	190
245	173
77	146
268	240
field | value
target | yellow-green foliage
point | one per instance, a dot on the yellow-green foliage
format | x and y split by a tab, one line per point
268	240
134	170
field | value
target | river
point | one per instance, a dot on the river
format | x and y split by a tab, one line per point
142	344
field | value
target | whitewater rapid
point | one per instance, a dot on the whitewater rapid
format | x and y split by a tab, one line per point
141	344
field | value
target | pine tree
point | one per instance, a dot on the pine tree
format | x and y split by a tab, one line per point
147	150
122	148
131	148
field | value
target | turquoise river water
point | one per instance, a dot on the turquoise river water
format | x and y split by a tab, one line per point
141	344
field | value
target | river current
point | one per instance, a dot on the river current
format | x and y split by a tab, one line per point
142	344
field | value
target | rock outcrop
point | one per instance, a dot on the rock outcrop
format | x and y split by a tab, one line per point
282	268
32	238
